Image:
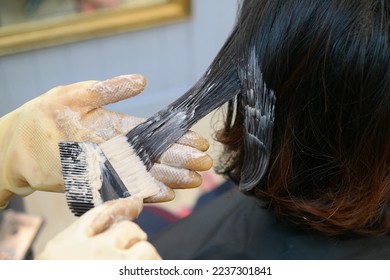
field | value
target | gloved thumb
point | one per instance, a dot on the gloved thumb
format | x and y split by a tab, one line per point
112	212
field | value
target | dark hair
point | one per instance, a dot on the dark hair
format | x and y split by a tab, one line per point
328	63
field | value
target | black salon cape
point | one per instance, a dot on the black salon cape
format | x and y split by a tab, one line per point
234	226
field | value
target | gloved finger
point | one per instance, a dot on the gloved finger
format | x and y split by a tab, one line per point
119	123
102	124
195	140
96	94
165	194
183	156
117	89
114	211
124	234
142	250
107	124
176	178
123	123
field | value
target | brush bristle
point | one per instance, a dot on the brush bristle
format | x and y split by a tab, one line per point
129	167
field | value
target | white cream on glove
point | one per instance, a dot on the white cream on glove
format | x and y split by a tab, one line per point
29	136
104	232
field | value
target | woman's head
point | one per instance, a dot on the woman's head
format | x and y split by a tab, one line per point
328	63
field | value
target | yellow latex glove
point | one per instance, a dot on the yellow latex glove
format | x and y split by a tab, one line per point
104	232
29	136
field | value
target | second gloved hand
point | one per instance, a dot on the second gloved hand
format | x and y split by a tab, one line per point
29	136
104	232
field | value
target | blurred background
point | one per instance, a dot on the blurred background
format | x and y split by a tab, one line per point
172	57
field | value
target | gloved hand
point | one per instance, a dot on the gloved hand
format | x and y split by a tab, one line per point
104	232
29	136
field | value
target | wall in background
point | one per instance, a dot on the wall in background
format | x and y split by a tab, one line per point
172	58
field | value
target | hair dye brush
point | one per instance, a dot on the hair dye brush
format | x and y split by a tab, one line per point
95	173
